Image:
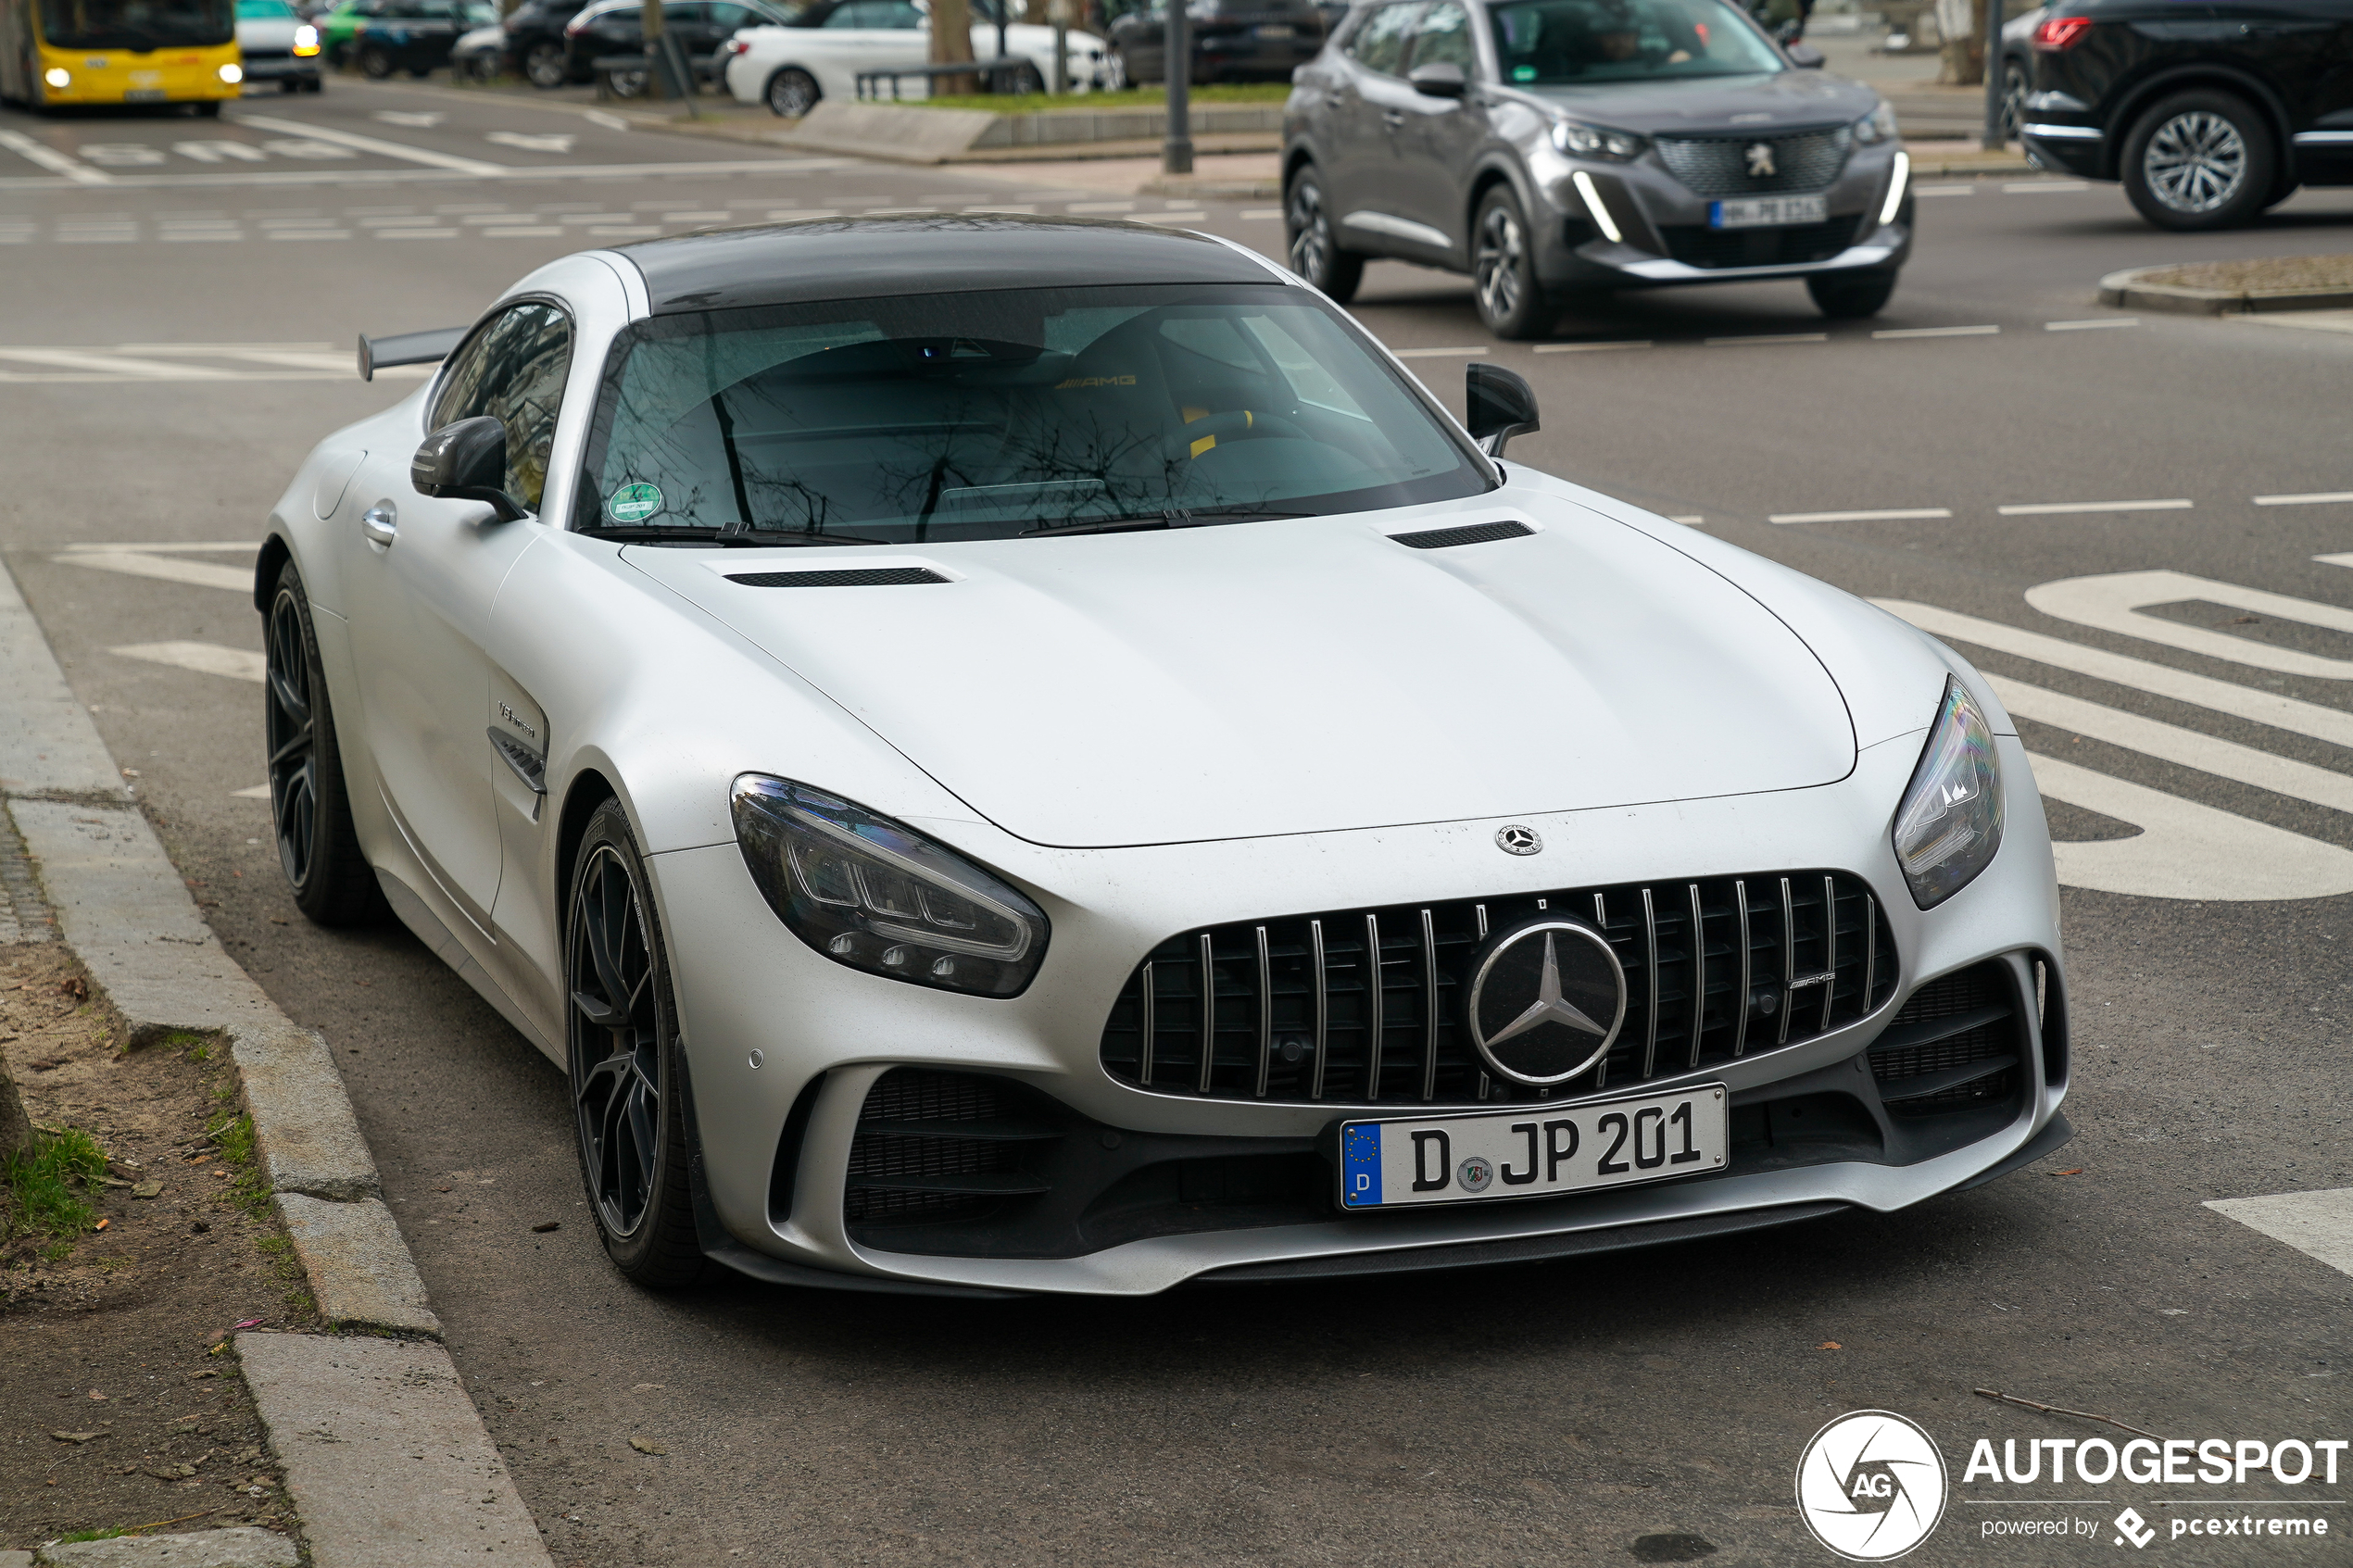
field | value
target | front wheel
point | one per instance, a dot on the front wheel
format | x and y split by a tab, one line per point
543	63
791	93
2200	159
376	63
1847	298
628	1091
625	84
309	813
1511	301
2013	99
1314	248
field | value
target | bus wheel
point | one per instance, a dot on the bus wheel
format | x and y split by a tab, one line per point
208	109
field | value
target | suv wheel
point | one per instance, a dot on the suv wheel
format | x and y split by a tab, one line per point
2200	159
2014	87
375	62
792	93
543	63
1314	251
1511	301
1846	297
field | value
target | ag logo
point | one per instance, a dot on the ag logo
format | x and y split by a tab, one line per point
2134	1529
1870	1485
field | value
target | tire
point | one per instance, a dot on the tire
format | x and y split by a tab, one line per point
1512	302
1848	298
543	64
1310	244
2199	160
791	93
2014	87
319	850
1027	80
288	85
623	1061
376	63
625	84
208	109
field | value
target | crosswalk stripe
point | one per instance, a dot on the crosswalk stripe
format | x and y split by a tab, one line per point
2159	680
2117	601
205	659
476	167
163	568
2170	743
2317	1223
2187	850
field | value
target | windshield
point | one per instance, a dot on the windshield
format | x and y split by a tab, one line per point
990	415
138	25
1585	42
264	10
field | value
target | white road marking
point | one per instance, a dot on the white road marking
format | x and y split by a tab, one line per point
1473	352
2319	1225
1967	190
421	233
205	659
259	792
530	234
1103	207
132	562
2187	850
558	142
2170	743
2091	326
1172	218
145	369
1587	347
1937	332
2116	602
220	150
415	120
1254	214
479	219
2043	187
2054	509
2292	714
373	145
785	214
1021	206
1690	521
1768	337
56	162
625	231
2317	498
310	234
609	121
1891	515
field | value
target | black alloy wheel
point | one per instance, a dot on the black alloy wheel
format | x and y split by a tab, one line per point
2201	159
791	93
543	64
1313	250
1851	296
375	62
309	814
1511	301
621	1043
2013	99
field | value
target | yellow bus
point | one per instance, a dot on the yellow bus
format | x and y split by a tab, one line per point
60	52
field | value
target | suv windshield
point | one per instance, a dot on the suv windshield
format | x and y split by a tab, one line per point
989	415
1585	42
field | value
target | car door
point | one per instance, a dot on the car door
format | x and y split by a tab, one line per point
1368	108
1436	138
869	35
421	576
1139	32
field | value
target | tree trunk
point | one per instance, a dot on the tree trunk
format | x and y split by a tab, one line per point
1962	22
952	40
16	1128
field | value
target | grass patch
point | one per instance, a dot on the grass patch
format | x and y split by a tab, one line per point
232	1134
48	1190
197	1047
1132	98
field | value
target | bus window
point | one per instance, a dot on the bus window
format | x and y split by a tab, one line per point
139	25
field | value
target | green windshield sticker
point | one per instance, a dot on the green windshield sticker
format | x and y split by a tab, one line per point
633	503
1523	73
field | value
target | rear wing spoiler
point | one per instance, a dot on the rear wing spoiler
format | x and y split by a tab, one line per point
406	349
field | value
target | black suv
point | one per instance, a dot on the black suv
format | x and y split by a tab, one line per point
2209	113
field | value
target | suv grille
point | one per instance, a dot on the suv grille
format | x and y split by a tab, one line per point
1717	166
1957	1042
1293	1011
1695	245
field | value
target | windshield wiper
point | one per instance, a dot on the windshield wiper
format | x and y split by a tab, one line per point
1205	517
730	537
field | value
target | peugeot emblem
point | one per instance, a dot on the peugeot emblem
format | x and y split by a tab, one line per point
1760	160
1546	1001
1518	840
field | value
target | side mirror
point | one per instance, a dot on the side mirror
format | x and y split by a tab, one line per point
466	461
1804	57
1440	79
1498	404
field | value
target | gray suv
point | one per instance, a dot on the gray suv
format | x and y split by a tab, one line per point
1553	147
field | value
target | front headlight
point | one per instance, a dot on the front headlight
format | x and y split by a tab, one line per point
233	73
1596	141
305	40
1877	126
870	893
1950	824
57	77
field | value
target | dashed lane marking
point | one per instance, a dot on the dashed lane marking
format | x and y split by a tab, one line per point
2054	509
2319	1225
399	151
2317	498
2091	326
1764	338
1901	514
1257	214
1936	331
205	659
2043	187
1589	348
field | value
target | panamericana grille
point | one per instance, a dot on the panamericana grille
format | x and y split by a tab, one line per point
1367	1006
1695	245
1717	166
1957	1042
938	1145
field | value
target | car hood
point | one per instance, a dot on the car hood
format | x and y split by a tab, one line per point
1729	105
267	33
1297	676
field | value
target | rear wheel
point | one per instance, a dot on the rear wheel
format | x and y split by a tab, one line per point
1314	248
543	63
376	62
791	93
2200	159
2013	99
1845	298
625	84
309	814
1511	301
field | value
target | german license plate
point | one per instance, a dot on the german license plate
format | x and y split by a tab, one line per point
1277	30
1763	212
1534	1151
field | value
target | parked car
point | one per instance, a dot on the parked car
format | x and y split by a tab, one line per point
819	51
534	41
277	46
898	821
1232	40
416	35
479	55
617	27
2206	115
2018	67
1555	146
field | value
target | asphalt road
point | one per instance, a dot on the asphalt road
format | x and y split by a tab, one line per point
174	326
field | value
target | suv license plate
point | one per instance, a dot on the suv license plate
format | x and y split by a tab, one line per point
1763	212
1534	1151
1274	29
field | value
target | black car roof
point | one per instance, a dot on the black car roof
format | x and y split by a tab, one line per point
822	258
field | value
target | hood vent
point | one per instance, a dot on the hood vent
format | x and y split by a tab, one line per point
854	577
1471	533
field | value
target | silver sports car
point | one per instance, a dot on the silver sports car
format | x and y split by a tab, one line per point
1010	755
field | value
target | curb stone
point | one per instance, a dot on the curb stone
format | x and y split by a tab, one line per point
122	907
2126	291
245	1547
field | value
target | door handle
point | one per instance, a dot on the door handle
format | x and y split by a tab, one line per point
381	523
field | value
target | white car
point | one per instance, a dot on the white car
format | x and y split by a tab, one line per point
277	46
791	68
1016	755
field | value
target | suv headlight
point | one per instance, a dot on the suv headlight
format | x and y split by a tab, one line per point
1877	126
1579	140
870	893
1950	824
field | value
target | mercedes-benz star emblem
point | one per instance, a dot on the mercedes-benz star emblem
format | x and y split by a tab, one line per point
1760	160
1546	1001
1518	840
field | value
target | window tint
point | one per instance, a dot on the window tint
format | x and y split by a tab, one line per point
513	370
1592	40
732	16
1444	37
1379	43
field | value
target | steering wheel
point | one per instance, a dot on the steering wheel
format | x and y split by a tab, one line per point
1238	424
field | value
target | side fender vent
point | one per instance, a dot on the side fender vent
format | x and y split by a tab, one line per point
1472	533
855	577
